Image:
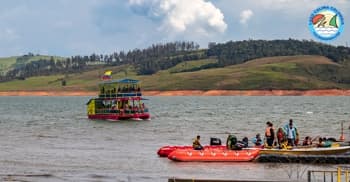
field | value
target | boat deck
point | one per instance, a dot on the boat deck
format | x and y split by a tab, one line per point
306	159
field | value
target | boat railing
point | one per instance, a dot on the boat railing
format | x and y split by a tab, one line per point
120	111
319	175
112	95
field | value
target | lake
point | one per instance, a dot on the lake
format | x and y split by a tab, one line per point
51	139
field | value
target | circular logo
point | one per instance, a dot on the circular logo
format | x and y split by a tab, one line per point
326	23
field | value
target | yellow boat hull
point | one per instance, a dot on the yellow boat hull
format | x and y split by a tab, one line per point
307	151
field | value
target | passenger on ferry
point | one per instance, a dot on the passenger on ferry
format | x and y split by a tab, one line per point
197	144
134	110
269	134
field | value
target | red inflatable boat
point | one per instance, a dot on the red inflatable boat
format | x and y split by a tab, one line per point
166	150
214	155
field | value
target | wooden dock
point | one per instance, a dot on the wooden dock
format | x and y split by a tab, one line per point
215	180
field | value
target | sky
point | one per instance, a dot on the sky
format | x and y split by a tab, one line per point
83	27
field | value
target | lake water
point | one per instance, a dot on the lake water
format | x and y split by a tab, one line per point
51	139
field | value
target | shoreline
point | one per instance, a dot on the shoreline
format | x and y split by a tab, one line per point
325	92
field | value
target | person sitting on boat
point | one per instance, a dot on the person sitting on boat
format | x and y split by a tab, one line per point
307	141
257	140
269	134
231	142
197	144
323	142
243	143
292	133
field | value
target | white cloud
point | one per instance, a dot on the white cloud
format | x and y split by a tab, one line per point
182	16
245	16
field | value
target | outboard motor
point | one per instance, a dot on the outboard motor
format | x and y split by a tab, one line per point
215	141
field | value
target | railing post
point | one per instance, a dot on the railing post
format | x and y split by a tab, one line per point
331	176
339	174
346	175
308	176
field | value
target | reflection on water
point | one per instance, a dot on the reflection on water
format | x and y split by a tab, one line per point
50	139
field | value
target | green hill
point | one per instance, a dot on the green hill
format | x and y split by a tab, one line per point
284	72
9	63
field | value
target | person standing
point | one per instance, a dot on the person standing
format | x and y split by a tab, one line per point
269	134
291	133
280	137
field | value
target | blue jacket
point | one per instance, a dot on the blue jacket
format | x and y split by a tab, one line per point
286	129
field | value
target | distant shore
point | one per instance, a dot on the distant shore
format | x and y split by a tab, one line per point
326	92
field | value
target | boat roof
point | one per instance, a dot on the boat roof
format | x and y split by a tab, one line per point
126	80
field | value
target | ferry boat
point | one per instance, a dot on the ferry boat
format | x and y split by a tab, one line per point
118	100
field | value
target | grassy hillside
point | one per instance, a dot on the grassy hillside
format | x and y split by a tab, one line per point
191	65
287	72
291	72
6	63
12	62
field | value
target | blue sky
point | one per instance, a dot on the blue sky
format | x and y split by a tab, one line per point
72	27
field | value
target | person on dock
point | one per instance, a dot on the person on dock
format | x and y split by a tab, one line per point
292	133
197	144
269	134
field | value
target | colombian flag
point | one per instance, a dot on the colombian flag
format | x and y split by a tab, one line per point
107	75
